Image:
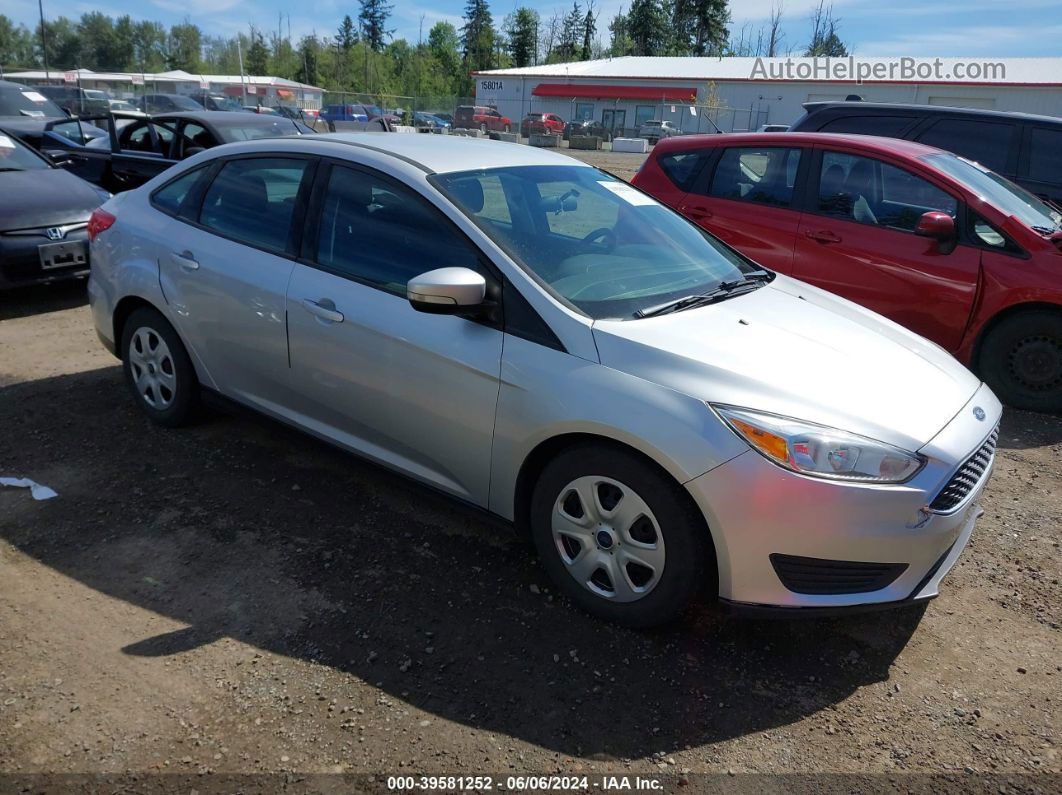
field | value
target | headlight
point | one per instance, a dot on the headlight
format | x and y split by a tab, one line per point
819	451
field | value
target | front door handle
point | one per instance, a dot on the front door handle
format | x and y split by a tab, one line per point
317	309
823	235
698	212
186	259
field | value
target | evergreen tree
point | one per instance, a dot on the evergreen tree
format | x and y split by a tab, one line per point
373	19
621	43
347	36
589	30
306	70
647	26
182	47
522	29
256	59
477	36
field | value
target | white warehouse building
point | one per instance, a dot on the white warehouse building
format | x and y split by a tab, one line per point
739	94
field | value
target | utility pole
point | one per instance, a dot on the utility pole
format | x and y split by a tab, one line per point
239	54
44	43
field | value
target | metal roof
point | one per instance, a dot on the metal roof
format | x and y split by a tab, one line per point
1046	71
176	75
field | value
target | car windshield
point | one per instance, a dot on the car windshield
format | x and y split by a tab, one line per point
534	115
270	128
596	242
27	102
16	156
653	123
185	103
999	191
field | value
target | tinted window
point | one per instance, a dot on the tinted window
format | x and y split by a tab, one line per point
195	135
16	156
26	102
763	175
139	139
987	143
253	200
381	233
887	126
169	198
872	192
682	167
1045	155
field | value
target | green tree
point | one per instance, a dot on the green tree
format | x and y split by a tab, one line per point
64	43
16	43
149	44
256	59
521	27
373	18
444	46
306	70
347	36
825	40
570	35
648	28
620	43
183	47
477	37
699	27
589	31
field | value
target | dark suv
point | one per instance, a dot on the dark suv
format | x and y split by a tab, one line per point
1025	148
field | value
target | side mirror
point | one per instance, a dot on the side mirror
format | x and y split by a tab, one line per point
447	291
937	226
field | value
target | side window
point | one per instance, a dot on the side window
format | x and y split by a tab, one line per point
682	168
382	233
986	142
252	200
170	198
1045	155
872	192
887	126
139	138
763	175
984	234
195	135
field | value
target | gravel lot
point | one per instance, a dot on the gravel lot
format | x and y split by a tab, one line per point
237	598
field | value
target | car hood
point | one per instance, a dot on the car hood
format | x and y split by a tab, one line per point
45	197
792	349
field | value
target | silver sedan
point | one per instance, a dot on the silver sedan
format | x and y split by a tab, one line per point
537	338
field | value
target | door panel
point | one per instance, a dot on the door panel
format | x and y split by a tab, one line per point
875	261
746	201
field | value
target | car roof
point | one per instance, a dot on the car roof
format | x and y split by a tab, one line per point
924	110
222	118
447	153
870	143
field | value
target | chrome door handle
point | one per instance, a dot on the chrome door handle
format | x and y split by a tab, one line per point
697	212
186	259
324	312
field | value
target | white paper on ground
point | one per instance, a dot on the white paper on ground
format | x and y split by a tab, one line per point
38	491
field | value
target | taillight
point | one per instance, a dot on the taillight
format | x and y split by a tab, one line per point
100	221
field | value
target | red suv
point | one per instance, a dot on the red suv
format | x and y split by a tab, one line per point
542	124
935	242
471	117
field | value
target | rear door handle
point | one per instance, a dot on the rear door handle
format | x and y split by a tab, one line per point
697	211
823	235
186	259
328	313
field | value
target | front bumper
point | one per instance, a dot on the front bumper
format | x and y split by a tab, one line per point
20	262
755	508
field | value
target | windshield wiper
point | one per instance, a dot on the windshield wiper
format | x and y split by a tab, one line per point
11	168
726	289
1044	230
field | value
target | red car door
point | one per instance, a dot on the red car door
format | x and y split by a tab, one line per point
857	239
750	201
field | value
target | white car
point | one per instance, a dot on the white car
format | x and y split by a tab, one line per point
544	341
655	130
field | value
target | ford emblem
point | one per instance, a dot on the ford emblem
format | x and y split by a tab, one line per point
979	413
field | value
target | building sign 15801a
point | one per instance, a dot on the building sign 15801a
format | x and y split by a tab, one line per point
491	85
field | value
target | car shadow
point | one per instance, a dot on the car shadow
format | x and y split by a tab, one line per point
40	299
1021	430
241	528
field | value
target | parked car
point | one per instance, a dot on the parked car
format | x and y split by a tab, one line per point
587	127
167	103
39	122
44	211
480	117
663	416
654	130
209	101
146	146
1022	147
933	241
446	117
333	113
431	121
121	105
541	124
77	101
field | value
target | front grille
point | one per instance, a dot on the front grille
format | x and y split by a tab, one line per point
968	476
818	576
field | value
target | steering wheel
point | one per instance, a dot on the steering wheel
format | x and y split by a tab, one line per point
607	238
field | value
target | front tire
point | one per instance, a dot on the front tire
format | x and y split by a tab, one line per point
157	369
1021	359
619	537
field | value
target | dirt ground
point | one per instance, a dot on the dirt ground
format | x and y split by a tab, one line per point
200	606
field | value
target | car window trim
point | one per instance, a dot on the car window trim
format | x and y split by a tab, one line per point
300	199
1010	168
703	183
812	194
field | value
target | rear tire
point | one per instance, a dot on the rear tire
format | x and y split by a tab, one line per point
1021	359
158	370
638	563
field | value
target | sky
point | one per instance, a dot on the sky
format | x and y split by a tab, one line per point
922	28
